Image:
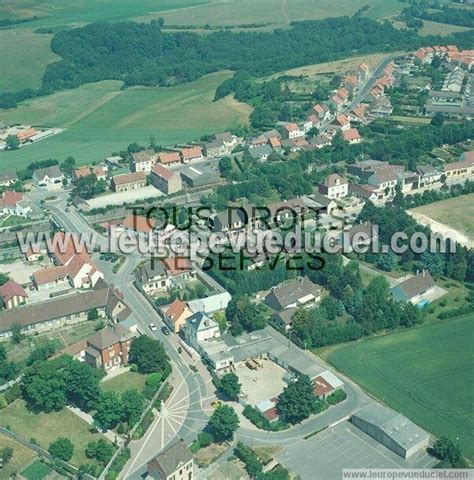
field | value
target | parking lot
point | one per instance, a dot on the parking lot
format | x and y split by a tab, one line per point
263	383
340	447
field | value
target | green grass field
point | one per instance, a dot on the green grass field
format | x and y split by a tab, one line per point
47	427
24	58
124	382
36	471
101	119
277	13
426	373
453	212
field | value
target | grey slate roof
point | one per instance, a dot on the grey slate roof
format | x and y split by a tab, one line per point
109	336
398	427
52	172
200	321
261	150
8	177
169	460
289	292
150	270
416	285
57	308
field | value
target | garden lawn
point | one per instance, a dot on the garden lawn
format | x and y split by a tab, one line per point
456	213
125	381
36	471
426	373
47	427
21	456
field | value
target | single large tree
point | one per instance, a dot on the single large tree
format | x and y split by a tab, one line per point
223	423
230	385
62	448
149	355
297	401
109	411
133	403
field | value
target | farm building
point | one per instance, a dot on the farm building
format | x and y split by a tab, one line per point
391	429
199	176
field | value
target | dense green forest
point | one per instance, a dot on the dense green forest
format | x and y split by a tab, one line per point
142	54
454	16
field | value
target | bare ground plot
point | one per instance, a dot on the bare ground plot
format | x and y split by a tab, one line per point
450	217
263	383
337	66
21	271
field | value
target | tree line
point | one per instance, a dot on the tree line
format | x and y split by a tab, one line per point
142	54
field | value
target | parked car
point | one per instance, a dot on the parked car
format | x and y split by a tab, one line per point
153	327
165	330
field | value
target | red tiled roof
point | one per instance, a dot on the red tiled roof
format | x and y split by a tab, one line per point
176	265
169	157
162	172
10	198
458	165
175	310
341	120
66	246
274	142
10	290
49	275
82	172
290	127
191	152
26	134
321	386
351	134
139	223
125	178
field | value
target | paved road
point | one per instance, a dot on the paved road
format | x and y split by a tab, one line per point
365	89
188	408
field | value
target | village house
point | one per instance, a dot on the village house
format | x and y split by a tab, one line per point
64	310
351	136
138	223
173	463
260	153
99	172
221	144
463	168
151	277
34	253
321	204
178	270
165	180
283	318
428	175
176	314
290	131
322	112
13	295
48	278
81	172
169	158
358	113
109	347
360	236
363	192
341	122
128	181
334	186
143	161
336	103
13	203
301	292
191	154
50	178
413	289
199	328
320	141
7	179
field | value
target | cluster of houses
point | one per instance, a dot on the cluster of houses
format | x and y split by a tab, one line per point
456	96
449	53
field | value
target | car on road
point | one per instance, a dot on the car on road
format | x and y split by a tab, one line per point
67	209
153	327
165	330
